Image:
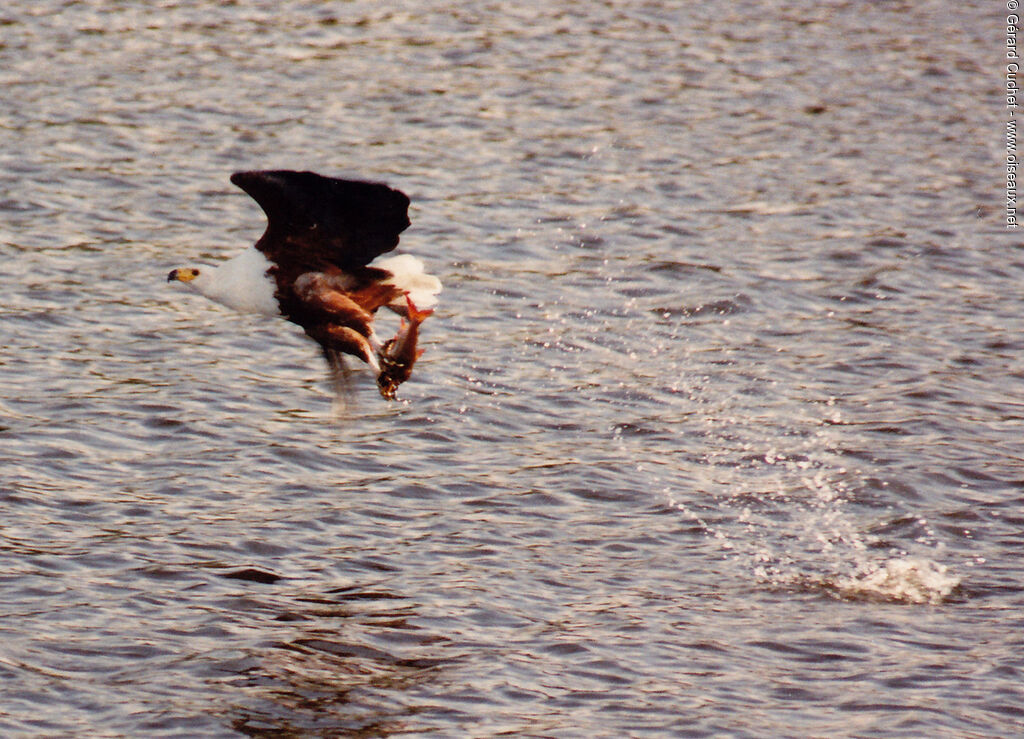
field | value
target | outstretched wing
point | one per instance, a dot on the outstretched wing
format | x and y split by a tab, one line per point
314	222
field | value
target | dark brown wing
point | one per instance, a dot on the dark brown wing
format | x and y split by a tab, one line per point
321	233
314	222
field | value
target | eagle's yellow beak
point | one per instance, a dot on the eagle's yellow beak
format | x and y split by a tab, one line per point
185	274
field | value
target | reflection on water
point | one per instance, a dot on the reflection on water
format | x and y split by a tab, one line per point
349	661
717	431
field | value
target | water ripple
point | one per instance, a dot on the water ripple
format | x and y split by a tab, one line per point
716	431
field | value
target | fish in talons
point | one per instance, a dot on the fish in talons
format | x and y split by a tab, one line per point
398	355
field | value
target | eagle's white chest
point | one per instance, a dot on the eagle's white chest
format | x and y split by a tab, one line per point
241	283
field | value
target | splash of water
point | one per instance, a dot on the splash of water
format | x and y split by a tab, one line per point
905	580
786	518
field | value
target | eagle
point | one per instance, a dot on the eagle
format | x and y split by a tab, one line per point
312	266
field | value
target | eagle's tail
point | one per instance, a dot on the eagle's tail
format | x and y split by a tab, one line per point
408	276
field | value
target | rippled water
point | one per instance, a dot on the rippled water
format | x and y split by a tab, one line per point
719	427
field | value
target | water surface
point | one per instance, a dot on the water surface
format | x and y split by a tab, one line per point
718	429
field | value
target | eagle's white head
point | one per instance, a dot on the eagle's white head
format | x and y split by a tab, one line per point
241	283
